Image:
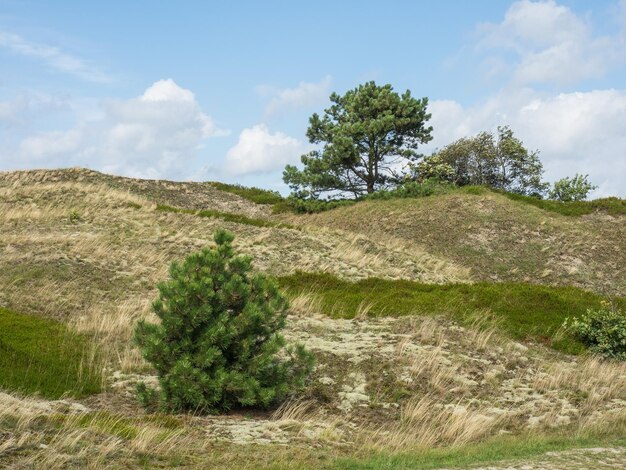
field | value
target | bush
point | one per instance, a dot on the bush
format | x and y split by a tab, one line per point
218	343
433	167
603	331
413	189
571	189
301	205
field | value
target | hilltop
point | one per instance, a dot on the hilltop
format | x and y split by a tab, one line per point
436	322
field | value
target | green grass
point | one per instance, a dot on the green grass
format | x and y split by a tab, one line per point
41	356
610	205
236	218
256	195
523	311
491	451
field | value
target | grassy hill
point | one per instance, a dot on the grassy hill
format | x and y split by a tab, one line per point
435	321
495	237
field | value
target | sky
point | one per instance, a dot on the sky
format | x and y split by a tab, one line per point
222	91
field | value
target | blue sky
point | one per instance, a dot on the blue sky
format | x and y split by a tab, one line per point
223	90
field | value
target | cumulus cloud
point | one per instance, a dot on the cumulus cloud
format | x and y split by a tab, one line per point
579	132
53	57
288	99
260	151
551	44
153	135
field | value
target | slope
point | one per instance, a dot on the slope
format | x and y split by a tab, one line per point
496	238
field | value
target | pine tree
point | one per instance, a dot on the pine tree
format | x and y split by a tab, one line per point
218	344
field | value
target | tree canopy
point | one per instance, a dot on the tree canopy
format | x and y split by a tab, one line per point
365	135
498	160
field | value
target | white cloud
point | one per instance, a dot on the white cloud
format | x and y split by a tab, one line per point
23	108
154	135
259	151
304	95
551	43
575	132
53	57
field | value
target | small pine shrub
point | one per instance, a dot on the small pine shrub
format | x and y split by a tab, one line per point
602	330
218	345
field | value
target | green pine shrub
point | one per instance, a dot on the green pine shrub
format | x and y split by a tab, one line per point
602	330
218	345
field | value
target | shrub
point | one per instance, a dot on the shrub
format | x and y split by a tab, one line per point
571	189
218	345
602	330
413	189
433	167
305	205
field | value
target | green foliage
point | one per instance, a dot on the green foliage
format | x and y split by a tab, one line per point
433	167
413	189
365	133
571	189
524	311
217	346
227	216
610	205
40	355
309	205
74	216
500	161
602	330
256	195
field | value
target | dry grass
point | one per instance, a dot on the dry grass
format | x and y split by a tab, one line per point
99	273
598	381
425	423
492	237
